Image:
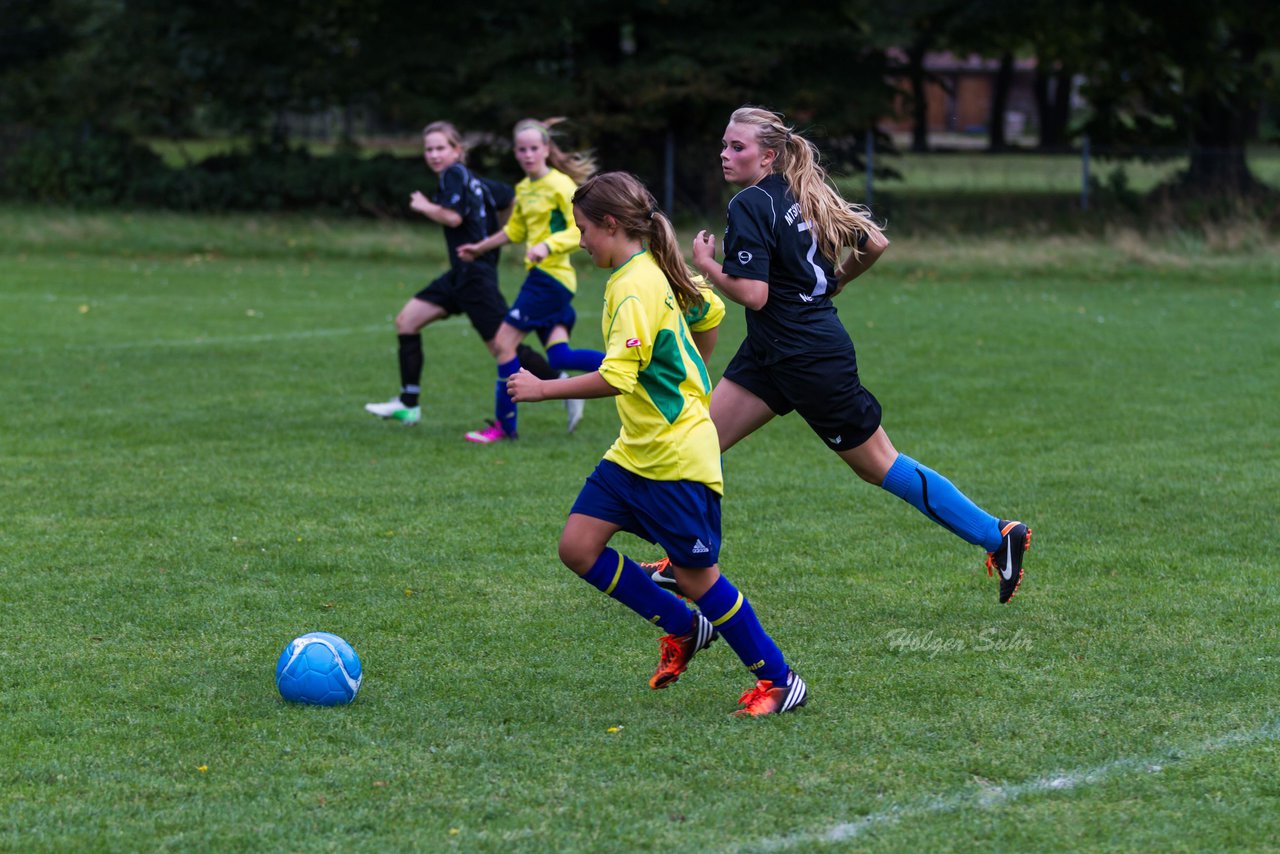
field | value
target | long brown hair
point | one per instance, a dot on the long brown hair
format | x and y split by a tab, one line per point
578	165
835	222
624	197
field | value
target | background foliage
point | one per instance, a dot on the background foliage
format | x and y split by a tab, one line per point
648	82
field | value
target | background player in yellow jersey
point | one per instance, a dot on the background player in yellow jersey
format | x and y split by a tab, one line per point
543	218
661	478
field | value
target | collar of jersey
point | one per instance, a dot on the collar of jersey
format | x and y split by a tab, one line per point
629	260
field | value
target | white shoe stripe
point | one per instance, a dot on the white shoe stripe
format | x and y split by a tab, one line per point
794	695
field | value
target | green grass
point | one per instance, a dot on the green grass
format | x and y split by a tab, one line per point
188	481
1019	173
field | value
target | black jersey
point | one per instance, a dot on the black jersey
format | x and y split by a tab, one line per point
767	239
473	198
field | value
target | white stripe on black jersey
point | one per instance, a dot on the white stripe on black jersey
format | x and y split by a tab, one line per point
767	239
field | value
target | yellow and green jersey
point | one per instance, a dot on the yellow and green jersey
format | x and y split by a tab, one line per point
544	214
665	397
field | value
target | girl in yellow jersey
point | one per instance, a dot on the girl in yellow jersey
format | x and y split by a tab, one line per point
661	479
543	218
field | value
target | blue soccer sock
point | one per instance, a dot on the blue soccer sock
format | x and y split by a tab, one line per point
504	408
734	618
936	497
621	578
564	358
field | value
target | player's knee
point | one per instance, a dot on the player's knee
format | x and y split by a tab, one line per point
577	556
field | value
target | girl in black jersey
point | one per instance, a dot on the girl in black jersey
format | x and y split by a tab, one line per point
787	229
467	206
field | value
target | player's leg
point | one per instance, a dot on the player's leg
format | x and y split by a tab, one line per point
737	412
487	308
684	518
562	359
503	345
1005	542
845	415
417	313
584	549
600	511
535	363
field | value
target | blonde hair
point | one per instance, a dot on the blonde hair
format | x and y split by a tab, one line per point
835	222
578	165
450	134
624	197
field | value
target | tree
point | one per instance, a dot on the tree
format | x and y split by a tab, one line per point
1184	74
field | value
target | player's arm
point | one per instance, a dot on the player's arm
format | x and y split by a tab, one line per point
858	262
434	212
524	387
704	320
706	342
752	293
472	251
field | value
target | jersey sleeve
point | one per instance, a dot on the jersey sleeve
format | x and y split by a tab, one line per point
707	316
629	345
748	238
516	227
567	238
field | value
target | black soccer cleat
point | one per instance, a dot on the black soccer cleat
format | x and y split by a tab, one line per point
663	575
1007	559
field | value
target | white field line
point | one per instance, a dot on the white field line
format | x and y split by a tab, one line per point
204	340
990	797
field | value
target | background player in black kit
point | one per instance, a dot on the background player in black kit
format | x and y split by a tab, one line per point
467	206
787	229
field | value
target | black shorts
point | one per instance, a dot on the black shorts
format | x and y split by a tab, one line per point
822	387
471	289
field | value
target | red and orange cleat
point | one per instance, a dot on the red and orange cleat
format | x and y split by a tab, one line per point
769	699
676	651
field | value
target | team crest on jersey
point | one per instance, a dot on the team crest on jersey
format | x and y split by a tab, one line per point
633	342
744	257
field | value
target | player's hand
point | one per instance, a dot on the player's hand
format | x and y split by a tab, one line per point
467	252
524	387
704	250
537	253
419	202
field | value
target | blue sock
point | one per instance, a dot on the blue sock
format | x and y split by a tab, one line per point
504	408
936	497
622	578
563	358
735	619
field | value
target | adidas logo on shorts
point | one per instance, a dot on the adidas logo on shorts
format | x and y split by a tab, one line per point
699	548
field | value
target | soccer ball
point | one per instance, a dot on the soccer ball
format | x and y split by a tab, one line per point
320	669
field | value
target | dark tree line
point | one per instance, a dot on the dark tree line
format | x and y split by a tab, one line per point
644	79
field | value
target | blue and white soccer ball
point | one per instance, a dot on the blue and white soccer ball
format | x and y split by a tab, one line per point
320	669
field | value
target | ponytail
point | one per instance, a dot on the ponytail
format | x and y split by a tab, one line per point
835	222
624	197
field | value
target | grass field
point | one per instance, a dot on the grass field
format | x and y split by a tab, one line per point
188	481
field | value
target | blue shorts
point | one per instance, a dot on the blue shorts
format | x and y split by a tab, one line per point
681	516
542	304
